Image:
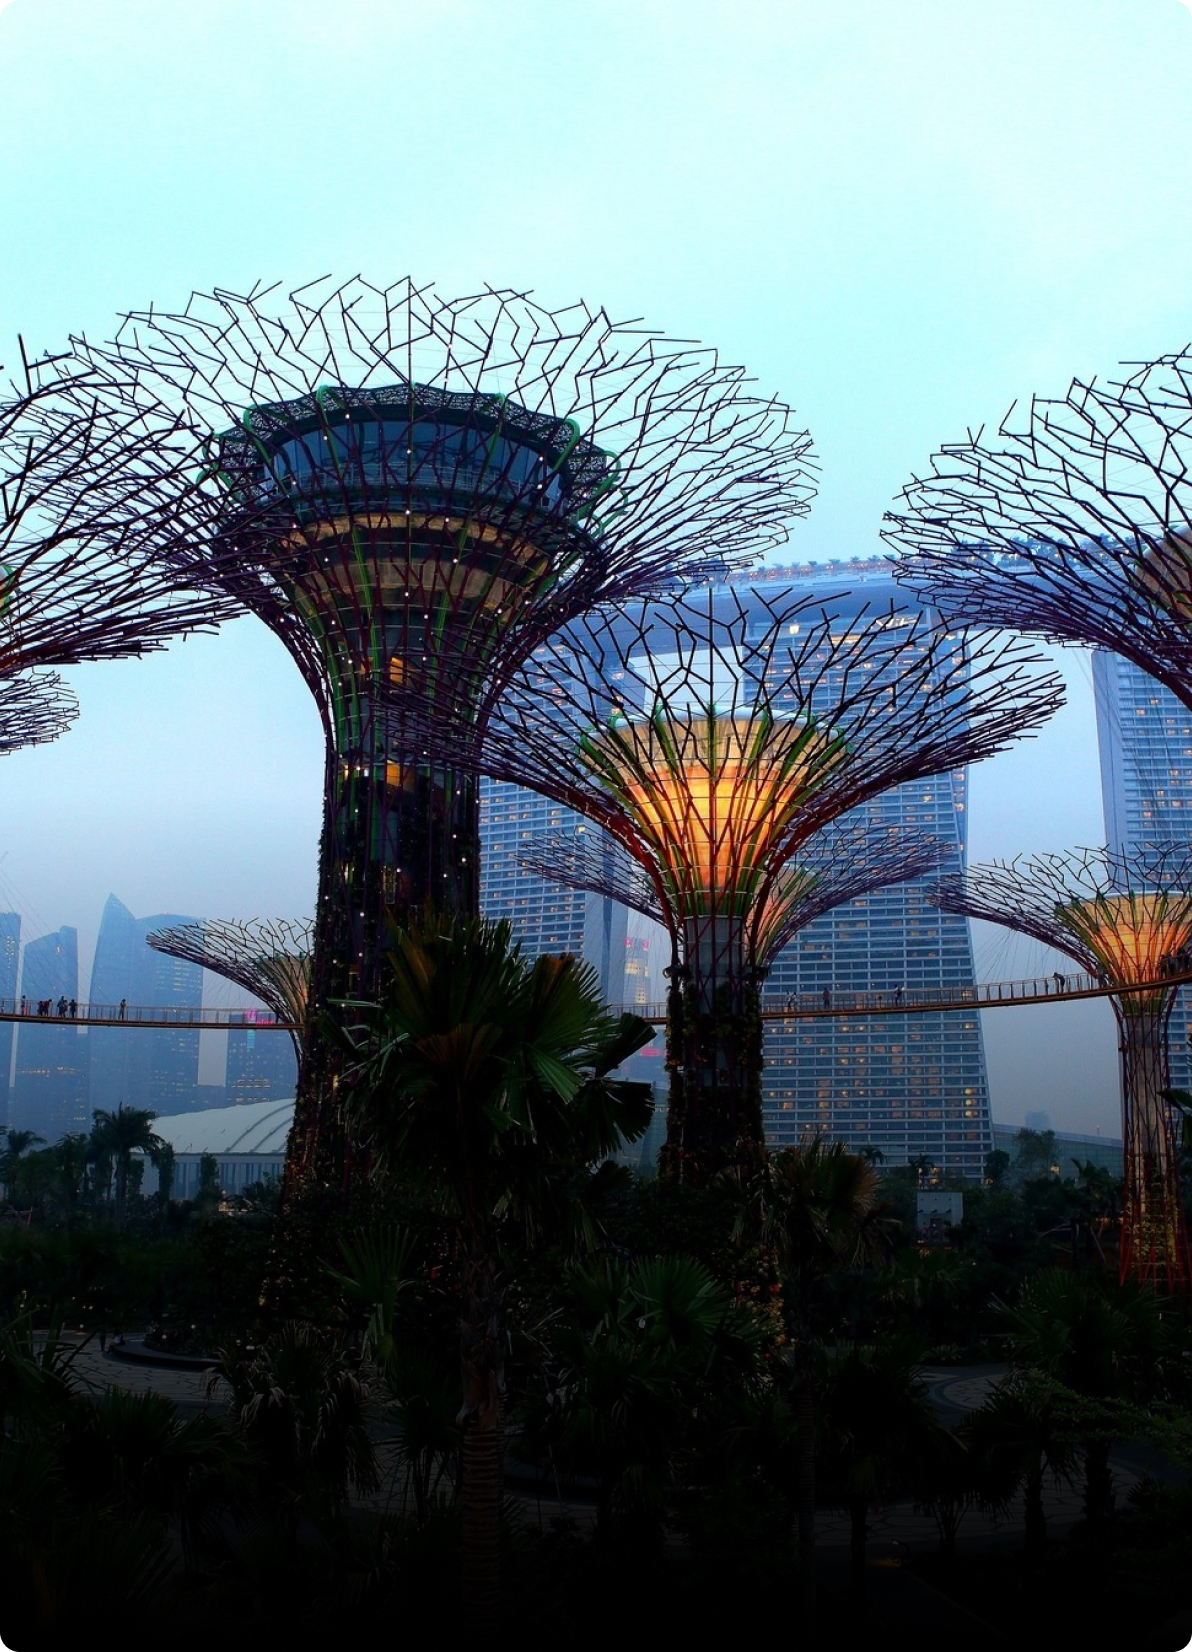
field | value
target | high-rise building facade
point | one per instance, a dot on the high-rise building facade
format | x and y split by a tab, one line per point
1144	736
262	1066
157	1069
913	1086
10	969
49	1093
546	917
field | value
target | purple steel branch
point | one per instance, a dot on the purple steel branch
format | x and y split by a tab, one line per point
1072	521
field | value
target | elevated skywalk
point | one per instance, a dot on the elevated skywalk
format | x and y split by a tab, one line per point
28	1012
983	995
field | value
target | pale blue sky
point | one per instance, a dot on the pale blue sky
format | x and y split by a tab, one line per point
899	214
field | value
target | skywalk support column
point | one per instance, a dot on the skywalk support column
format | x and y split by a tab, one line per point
715	1044
1154	1235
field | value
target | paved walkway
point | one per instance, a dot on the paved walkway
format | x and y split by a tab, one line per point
187	1389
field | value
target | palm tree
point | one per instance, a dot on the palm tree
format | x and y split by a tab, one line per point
16	1142
875	1422
1018	1429
486	1077
639	1350
115	1137
816	1209
1098	1339
302	1407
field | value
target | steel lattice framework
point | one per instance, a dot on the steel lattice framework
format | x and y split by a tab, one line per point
35	706
711	748
1127	919
842	863
269	957
413	492
76	580
1073	522
79	579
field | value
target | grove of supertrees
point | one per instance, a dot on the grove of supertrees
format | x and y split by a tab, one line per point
413	493
1128	920
711	738
269	957
1073	521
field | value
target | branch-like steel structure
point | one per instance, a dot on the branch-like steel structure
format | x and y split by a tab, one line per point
78	577
1073	521
35	707
414	492
269	957
711	738
1127	919
842	863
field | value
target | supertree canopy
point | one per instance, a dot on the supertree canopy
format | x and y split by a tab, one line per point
413	493
711	737
1074	521
842	863
268	957
77	579
1127	919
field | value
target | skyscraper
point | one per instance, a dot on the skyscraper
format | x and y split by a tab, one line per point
50	1087
111	980
913	1086
1144	736
157	1069
10	960
261	1066
546	916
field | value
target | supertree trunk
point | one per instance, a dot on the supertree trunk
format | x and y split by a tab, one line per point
397	838
1154	1244
715	1042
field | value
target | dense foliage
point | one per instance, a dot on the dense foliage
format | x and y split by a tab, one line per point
688	1380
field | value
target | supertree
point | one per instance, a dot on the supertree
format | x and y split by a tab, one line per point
1073	522
1127	919
269	957
413	492
711	737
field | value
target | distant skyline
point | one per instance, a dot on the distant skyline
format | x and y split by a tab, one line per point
898	214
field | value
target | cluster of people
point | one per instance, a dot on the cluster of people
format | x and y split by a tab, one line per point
1178	962
46	1006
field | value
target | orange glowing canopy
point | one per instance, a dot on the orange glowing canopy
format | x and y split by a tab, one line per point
1134	937
712	793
